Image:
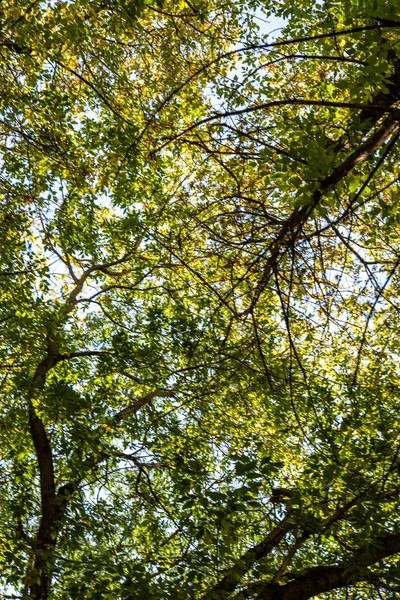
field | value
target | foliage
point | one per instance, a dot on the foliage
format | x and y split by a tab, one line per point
199	268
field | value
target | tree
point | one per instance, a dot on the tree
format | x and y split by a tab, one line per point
199	268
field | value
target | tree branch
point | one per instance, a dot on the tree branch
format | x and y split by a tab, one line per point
39	578
299	216
374	109
318	580
133	408
232	576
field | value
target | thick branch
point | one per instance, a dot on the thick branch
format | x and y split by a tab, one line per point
318	580
133	408
40	439
53	504
232	576
39	578
299	216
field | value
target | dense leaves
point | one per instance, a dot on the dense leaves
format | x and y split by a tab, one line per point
199	272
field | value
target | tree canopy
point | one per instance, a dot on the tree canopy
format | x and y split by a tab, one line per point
200	275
